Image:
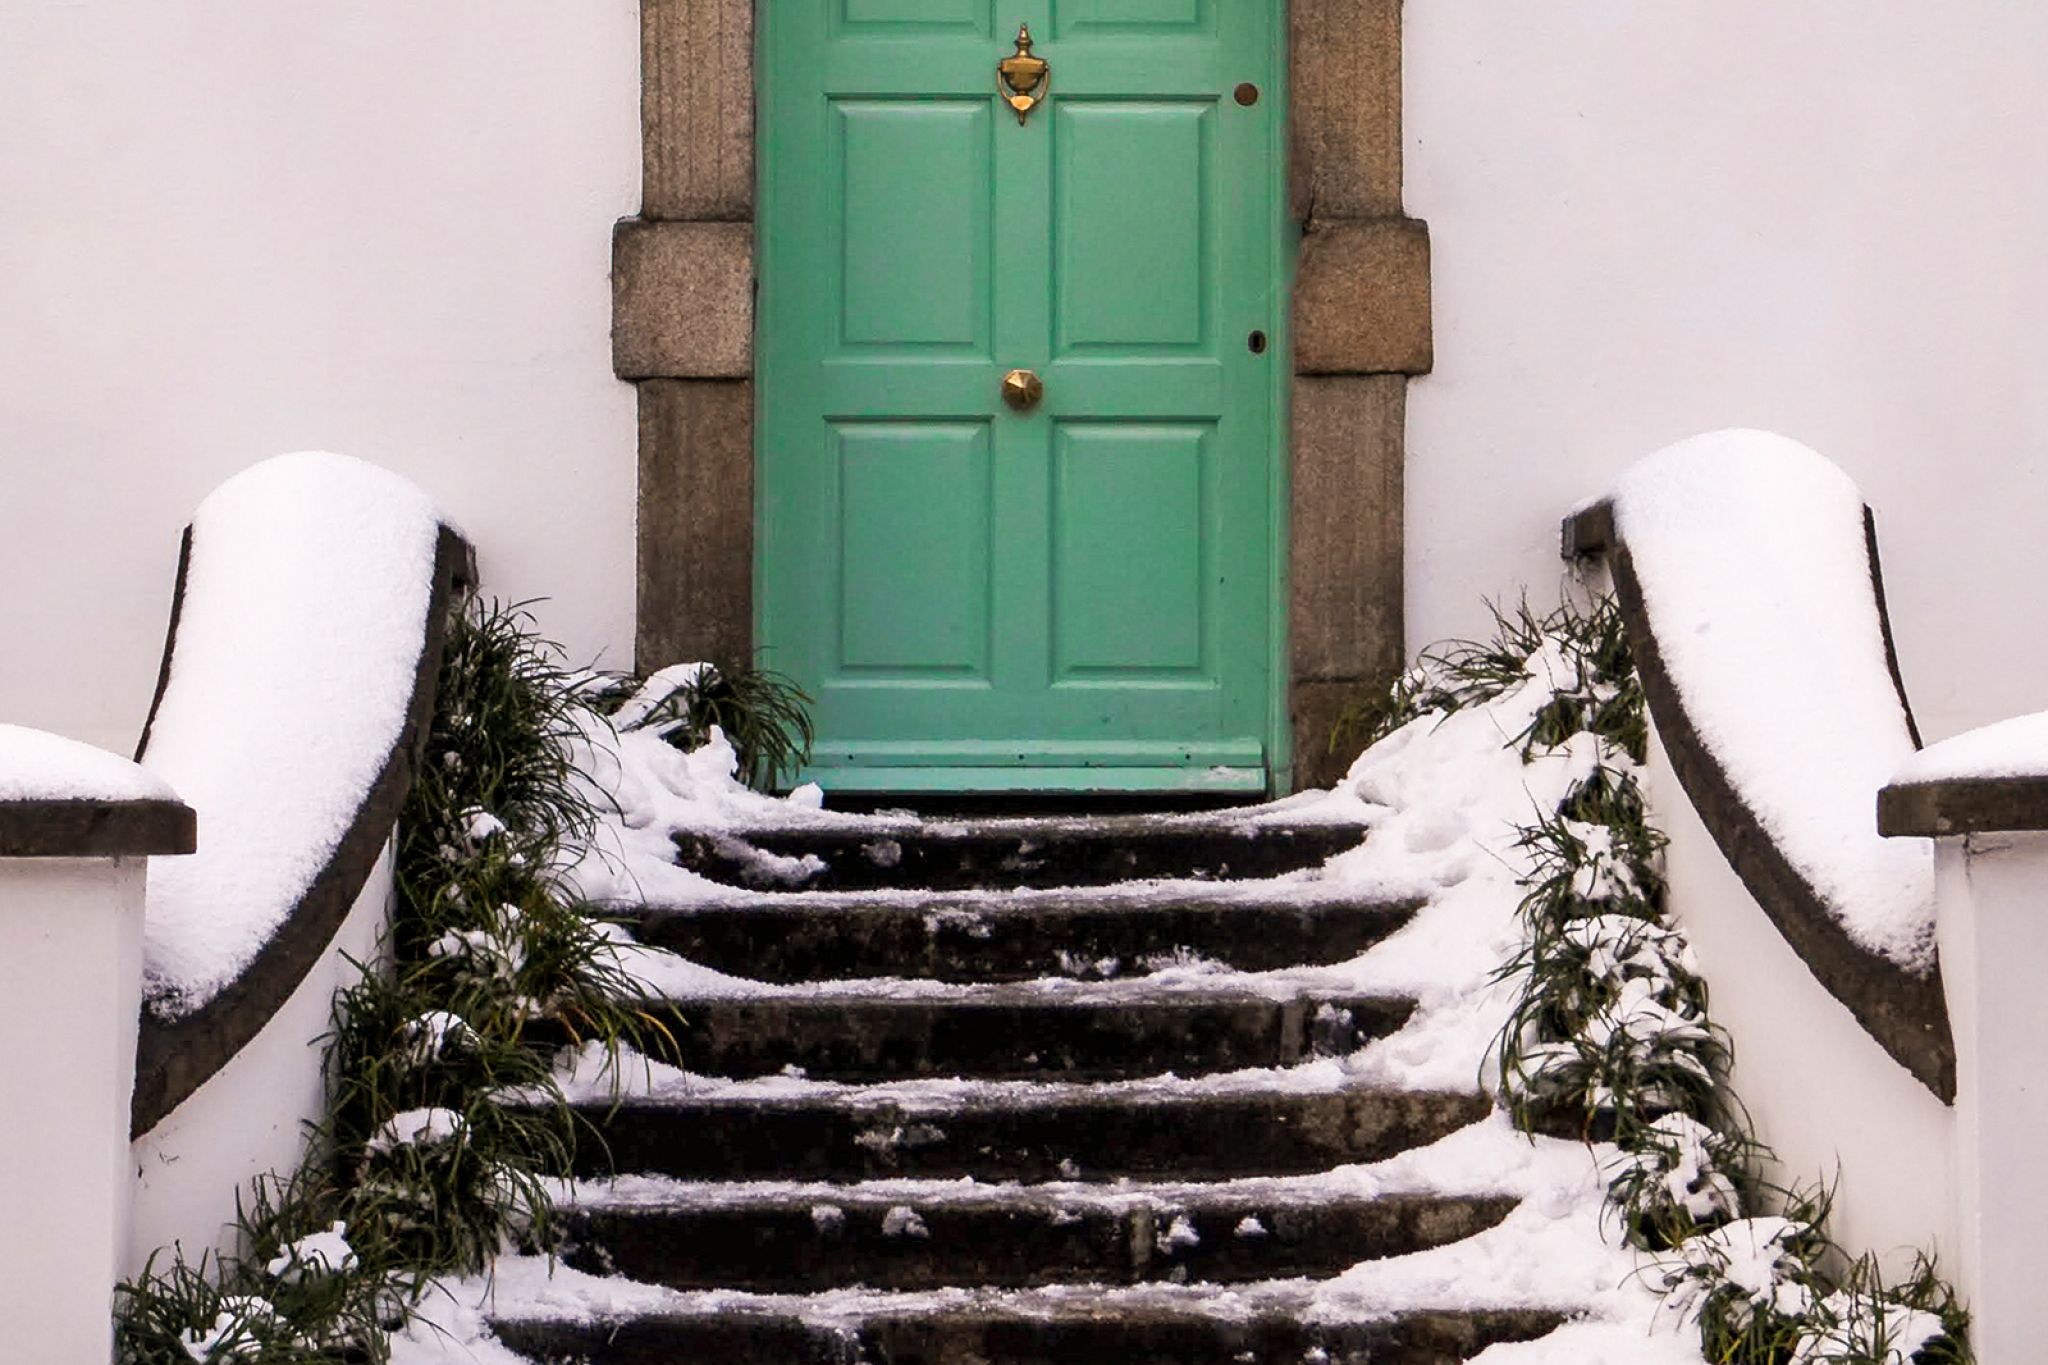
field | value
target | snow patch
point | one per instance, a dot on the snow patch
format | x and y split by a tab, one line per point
38	766
298	645
1755	572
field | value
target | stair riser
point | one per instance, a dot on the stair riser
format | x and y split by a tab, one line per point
956	1339
1070	855
1201	1138
837	943
794	1249
869	1040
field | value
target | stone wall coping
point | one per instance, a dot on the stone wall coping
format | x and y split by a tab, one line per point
63	799
90	827
1963	805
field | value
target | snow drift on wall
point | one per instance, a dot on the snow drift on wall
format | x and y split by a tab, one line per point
297	648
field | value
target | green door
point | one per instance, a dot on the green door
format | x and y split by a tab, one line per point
1077	595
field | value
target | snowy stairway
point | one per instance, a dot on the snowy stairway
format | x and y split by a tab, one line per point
1017	1128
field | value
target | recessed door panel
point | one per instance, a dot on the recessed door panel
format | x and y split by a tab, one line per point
913	533
1132	552
917	279
1071	586
1133	248
1075	17
912	16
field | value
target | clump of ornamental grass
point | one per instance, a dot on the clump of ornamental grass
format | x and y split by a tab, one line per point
1597	691
1610	1034
764	714
446	1120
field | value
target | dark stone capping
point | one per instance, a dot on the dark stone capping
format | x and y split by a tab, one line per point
95	829
163	669
1964	805
1587	534
1906	1014
1884	625
175	1055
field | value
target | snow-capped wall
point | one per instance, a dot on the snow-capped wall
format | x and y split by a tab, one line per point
235	227
1824	219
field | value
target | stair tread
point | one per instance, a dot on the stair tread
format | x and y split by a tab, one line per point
933	1096
1241	822
1283	1298
1018	851
1031	1327
1218	988
1273	1192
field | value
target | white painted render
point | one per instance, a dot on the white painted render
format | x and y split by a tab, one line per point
1824	1096
71	989
234	228
1993	939
1823	219
249	1119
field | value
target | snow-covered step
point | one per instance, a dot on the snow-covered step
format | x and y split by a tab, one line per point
1078	1331
1110	932
807	1238
1008	1131
1053	1031
1022	852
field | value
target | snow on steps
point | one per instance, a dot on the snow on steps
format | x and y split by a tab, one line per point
1057	1030
1075	1329
919	1235
1021	936
975	1156
1057	851
1020	1131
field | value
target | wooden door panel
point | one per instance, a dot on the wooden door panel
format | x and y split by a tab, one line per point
912	553
1079	18
1133	552
1133	245
899	17
914	280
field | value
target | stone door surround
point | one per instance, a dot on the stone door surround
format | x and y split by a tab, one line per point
683	322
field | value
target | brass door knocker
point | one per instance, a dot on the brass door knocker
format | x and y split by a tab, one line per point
1021	77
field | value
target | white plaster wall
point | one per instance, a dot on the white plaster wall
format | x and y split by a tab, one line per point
232	228
1825	218
1823	1095
71	983
249	1119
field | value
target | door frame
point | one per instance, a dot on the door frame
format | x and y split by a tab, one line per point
1357	319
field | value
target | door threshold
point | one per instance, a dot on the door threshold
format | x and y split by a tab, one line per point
1071	783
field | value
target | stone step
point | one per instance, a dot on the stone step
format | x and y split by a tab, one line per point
1069	1033
1012	1132
814	1238
1012	853
1061	1333
792	938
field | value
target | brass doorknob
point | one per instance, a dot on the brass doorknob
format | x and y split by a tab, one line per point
1022	389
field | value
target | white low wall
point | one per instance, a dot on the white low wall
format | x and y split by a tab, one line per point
1824	1096
250	1118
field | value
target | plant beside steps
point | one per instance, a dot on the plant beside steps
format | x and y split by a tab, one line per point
1015	1129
